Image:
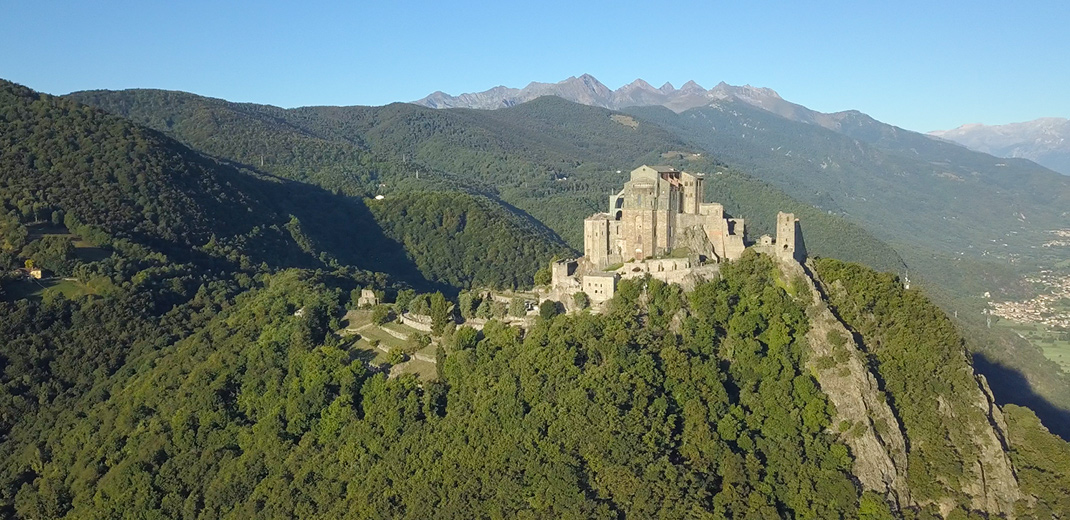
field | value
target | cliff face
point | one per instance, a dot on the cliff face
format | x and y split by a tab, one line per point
870	424
863	418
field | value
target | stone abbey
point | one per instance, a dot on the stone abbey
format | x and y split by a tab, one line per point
660	210
660	225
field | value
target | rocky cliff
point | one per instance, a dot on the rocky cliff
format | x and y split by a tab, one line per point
866	419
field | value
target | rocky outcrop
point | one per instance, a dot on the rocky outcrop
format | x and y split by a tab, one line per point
875	434
863	419
695	240
995	486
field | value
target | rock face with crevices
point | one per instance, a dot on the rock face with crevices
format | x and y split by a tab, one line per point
867	422
995	487
863	418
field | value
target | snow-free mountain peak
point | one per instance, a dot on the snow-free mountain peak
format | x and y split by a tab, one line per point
1045	141
588	90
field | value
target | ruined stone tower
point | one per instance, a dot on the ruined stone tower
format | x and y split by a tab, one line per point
787	227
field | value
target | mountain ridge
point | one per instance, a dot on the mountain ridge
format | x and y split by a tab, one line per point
588	90
1045	141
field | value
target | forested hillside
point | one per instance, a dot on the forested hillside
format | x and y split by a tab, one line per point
670	404
557	161
124	184
553	159
104	176
197	371
467	241
155	241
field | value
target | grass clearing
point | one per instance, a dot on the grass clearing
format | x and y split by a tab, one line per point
1050	341
356	319
424	370
402	329
385	340
35	289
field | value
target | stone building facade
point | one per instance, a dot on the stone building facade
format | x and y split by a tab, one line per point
660	210
788	244
660	226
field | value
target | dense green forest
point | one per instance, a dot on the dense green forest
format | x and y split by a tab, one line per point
148	191
261	414
467	241
669	404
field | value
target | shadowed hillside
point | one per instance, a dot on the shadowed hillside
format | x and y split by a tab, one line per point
551	158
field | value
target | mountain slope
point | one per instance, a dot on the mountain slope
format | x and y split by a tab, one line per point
247	133
553	159
907	187
137	185
1045	141
943	202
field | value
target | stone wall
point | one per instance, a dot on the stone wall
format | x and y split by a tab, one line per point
418	322
397	334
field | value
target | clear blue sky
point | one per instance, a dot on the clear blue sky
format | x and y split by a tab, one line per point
919	65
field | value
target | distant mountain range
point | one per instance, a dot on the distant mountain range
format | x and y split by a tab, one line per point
587	90
894	181
1045	141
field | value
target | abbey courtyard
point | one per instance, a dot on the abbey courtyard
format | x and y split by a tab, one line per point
659	225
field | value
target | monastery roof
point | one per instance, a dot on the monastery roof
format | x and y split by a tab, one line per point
665	169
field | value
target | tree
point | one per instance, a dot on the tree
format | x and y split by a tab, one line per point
484	310
518	307
380	314
548	309
465	338
403	298
440	313
418	341
420	305
581	300
498	309
467	303
396	356
543	276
